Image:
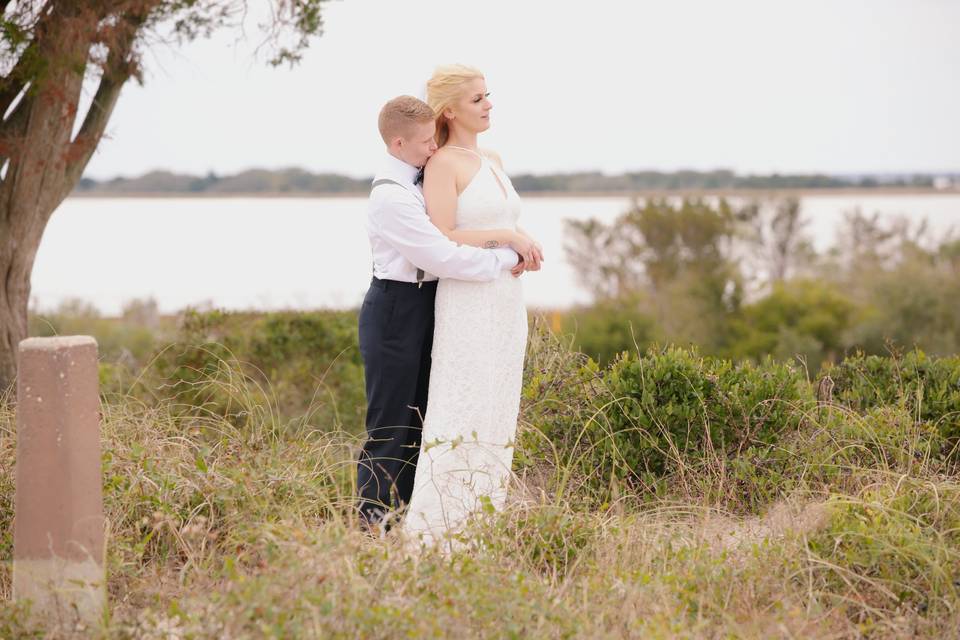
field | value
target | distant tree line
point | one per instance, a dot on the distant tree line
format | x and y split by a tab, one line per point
252	181
710	180
300	181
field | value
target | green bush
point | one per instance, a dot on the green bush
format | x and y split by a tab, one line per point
560	394
895	545
674	407
928	388
278	364
799	317
609	327
646	417
548	538
835	448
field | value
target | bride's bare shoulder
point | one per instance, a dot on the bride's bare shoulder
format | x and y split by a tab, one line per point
448	156
442	159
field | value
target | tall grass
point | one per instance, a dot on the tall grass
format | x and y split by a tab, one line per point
240	524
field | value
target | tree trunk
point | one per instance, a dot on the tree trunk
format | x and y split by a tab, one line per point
14	296
44	164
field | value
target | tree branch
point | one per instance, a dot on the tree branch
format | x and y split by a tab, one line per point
28	64
117	70
17	79
94	124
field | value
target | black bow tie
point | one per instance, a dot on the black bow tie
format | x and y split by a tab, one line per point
419	178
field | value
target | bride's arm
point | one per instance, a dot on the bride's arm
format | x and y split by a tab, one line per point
440	193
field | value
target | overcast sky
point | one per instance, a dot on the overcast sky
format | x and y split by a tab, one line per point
841	86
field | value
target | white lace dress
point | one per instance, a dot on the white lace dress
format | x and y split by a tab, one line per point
479	342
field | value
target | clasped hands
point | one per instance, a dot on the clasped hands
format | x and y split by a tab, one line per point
529	251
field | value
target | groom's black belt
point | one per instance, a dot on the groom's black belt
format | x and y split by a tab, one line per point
394	284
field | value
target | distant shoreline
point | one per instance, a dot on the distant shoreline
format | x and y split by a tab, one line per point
644	193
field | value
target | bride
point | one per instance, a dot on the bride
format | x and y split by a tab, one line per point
480	329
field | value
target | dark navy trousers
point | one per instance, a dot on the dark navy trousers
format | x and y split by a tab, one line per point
396	337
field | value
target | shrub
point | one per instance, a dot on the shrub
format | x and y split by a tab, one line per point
674	408
559	397
549	538
234	364
895	545
928	388
836	448
800	317
646	417
609	327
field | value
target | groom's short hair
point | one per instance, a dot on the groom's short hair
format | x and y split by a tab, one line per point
398	116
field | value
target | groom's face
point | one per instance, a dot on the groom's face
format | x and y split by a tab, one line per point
419	145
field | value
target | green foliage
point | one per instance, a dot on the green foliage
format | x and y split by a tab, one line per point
690	266
300	180
131	338
180	483
647	417
220	530
606	329
15	621
560	394
549	538
7	491
675	257
250	181
284	362
697	180
928	388
916	304
674	408
652	244
898	543
803	318
304	355
834	449
673	417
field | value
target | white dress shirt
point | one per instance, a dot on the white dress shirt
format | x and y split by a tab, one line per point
403	239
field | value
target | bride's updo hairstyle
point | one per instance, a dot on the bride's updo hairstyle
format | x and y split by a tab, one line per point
444	88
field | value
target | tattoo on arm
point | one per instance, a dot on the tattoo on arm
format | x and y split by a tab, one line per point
491	244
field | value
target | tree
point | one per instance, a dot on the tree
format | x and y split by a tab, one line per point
776	244
805	317
678	259
47	49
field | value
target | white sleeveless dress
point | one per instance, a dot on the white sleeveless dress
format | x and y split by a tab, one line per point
479	342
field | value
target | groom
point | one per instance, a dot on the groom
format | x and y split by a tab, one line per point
396	319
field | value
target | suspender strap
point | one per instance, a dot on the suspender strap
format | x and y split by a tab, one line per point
377	183
380	181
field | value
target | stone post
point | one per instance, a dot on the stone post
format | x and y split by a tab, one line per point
58	531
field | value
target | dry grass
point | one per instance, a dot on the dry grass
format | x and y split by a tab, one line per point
221	532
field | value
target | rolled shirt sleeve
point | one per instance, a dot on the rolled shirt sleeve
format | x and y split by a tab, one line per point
402	222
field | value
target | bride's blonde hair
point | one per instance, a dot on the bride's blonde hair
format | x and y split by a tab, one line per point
443	89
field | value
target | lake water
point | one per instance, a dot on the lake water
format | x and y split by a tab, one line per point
302	253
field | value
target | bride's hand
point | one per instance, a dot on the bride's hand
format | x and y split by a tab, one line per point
535	257
527	250
538	255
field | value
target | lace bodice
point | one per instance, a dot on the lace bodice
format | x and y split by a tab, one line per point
489	201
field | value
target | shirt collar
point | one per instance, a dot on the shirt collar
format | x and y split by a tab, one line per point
397	168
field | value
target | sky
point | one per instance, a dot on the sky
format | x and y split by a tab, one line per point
756	86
